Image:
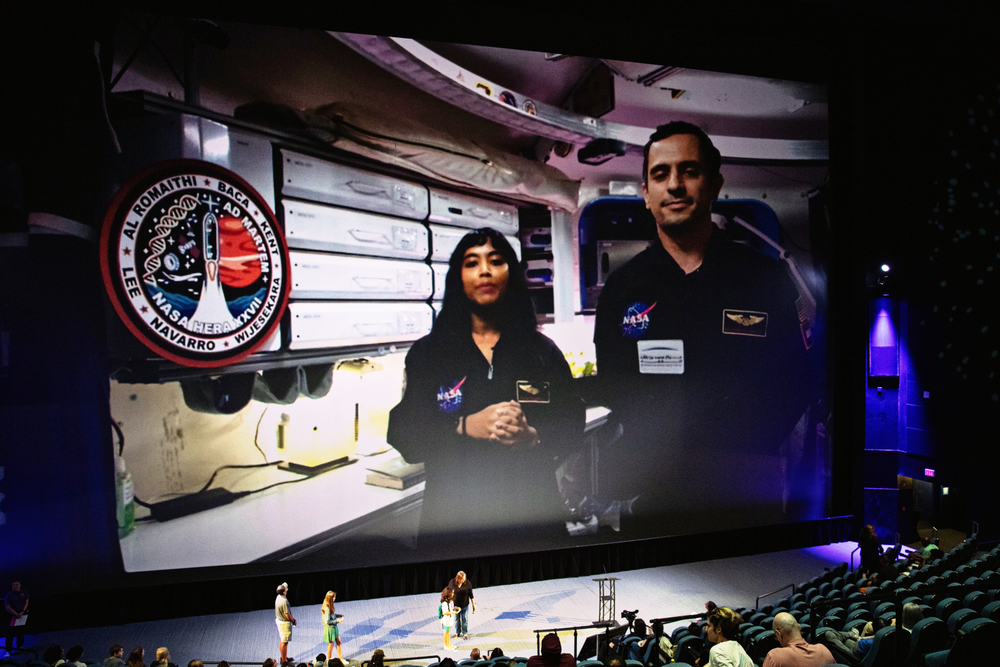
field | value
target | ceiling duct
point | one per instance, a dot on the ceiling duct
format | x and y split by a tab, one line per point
416	64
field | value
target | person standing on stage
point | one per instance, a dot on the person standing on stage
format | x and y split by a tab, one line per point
446	612
283	617
16	605
331	625
463	598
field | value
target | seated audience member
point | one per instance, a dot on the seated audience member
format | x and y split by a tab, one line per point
662	653
320	660
618	644
53	655
302	664
614	661
723	624
920	557
552	655
223	663
163	658
709	608
115	659
73	656
475	655
794	651
199	663
868	636
378	658
267	663
911	615
336	662
135	658
447	662
497	652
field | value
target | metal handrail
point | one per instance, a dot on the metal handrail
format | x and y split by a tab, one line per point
757	604
413	657
574	628
856	550
674	619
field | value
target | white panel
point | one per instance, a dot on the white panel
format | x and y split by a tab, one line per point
444	240
440	274
318	227
320	324
322	276
311	178
471	212
437	305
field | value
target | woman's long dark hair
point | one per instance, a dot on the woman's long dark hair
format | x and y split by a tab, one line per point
513	312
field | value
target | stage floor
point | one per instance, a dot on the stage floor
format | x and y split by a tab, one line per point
506	617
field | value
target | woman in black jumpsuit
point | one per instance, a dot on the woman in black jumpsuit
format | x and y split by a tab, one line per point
489	407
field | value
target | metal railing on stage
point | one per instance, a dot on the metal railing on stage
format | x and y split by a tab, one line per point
538	633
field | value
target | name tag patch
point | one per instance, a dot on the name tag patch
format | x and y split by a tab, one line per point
661	357
532	392
744	323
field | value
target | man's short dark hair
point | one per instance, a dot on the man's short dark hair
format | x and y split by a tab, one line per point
74	653
115	648
614	660
710	155
196	663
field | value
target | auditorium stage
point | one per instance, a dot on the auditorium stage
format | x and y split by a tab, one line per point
506	616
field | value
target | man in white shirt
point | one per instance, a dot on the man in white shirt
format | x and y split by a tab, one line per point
283	617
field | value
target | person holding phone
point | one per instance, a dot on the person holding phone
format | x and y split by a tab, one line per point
485	392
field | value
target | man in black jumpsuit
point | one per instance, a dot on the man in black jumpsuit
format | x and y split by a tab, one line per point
700	357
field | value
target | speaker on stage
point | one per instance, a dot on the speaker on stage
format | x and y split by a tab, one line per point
598	644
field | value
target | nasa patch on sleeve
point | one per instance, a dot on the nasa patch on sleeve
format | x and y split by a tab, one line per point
195	263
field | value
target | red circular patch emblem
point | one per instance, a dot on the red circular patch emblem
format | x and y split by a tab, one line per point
195	263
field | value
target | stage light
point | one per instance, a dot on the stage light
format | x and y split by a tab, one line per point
885	268
944	490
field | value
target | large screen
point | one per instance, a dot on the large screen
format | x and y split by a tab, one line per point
666	398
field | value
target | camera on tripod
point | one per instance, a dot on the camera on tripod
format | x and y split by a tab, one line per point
630	615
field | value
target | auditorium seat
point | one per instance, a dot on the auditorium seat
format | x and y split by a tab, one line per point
689	649
882	652
946	607
991	611
976	644
959	618
928	635
859	613
857	624
746	637
762	643
883	608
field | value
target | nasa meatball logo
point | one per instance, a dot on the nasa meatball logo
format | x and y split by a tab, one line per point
195	263
449	398
636	320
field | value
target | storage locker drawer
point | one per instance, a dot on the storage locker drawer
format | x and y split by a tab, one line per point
321	276
538	272
440	275
538	238
318	227
471	212
307	177
319	324
444	240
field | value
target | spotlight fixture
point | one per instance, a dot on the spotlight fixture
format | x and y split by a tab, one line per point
885	268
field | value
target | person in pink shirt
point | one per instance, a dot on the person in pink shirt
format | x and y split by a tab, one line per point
794	651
